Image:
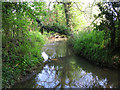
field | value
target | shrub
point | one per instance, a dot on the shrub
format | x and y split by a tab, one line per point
93	46
19	55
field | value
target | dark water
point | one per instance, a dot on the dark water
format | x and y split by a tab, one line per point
66	70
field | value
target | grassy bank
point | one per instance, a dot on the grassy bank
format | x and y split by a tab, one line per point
94	46
20	54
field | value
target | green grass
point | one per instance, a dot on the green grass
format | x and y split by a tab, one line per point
20	54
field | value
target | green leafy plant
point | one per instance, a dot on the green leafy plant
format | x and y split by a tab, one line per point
92	46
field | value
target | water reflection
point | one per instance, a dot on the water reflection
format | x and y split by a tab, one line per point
69	75
47	78
56	49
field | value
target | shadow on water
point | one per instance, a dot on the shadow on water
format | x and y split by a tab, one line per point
65	70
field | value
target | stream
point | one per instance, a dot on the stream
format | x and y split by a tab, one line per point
65	70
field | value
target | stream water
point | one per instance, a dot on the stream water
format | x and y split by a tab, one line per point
65	70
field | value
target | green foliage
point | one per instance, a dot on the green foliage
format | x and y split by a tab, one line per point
92	46
62	29
101	45
22	43
58	14
18	57
110	22
78	17
21	49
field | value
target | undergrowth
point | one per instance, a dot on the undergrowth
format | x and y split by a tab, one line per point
19	54
93	46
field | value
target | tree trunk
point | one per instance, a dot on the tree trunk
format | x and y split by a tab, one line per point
67	12
112	32
118	42
113	37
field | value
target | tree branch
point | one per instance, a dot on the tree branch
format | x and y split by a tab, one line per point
78	7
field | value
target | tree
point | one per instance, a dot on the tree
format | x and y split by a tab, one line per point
67	6
110	11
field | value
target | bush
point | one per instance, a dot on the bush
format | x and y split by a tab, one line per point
20	54
92	46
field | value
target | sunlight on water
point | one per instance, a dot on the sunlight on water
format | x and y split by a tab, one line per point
45	56
49	78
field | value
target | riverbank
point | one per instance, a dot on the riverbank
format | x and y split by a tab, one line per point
19	55
30	72
93	47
